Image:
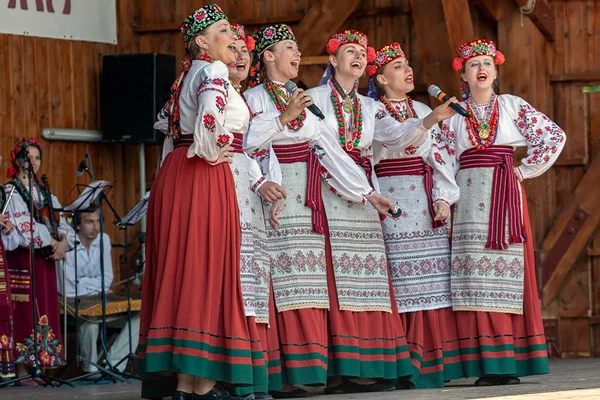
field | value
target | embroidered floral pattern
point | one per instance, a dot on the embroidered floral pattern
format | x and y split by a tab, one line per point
542	134
438	158
410	150
49	347
220	104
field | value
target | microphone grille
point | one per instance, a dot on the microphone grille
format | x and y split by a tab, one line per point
290	86
78	173
433	90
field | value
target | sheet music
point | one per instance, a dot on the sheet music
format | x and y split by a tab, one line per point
137	212
89	194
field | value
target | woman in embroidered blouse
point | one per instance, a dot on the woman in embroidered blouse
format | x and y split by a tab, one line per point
17	256
493	267
192	296
417	246
367	318
286	139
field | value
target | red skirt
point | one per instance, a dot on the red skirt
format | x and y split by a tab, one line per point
494	343
192	318
368	344
434	348
47	311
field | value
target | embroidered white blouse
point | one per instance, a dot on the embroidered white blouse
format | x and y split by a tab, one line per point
266	129
212	110
18	214
519	125
377	125
432	152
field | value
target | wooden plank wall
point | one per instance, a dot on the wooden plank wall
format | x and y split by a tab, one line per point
574	63
56	83
45	82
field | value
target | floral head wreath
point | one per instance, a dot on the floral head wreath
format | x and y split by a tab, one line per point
240	34
338	40
474	48
265	38
384	56
18	151
201	19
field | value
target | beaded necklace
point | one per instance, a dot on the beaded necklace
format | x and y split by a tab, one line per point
482	129
281	99
350	138
395	112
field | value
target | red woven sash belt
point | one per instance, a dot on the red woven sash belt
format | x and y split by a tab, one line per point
505	193
292	153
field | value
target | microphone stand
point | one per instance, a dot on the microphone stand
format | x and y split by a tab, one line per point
109	368
36	370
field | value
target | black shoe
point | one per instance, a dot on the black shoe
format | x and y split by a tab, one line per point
182	396
244	397
486	381
352	387
508	380
216	393
262	396
292	394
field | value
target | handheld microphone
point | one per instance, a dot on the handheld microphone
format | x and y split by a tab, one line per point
291	86
443	97
136	279
82	166
396	212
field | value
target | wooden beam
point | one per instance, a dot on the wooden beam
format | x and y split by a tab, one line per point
441	26
286	19
174	26
571	233
314	60
543	18
323	19
576	76
489	8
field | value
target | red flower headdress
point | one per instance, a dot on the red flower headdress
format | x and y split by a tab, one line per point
240	33
384	56
21	148
474	48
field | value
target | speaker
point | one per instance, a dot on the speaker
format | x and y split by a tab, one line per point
134	87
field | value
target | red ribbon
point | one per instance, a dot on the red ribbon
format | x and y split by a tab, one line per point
292	153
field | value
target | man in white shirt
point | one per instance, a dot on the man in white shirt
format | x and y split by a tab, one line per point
89	283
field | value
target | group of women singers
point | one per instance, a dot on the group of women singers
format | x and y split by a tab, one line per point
273	262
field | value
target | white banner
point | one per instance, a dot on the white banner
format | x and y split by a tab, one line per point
89	20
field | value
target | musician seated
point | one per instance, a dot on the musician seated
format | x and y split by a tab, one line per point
89	278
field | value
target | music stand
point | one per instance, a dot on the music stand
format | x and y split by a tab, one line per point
130	219
84	202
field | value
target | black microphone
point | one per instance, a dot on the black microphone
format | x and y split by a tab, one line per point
291	86
136	278
82	165
443	97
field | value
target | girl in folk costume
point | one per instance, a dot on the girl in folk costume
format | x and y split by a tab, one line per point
255	269
492	271
286	139
193	318
18	258
7	342
363	315
418	249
